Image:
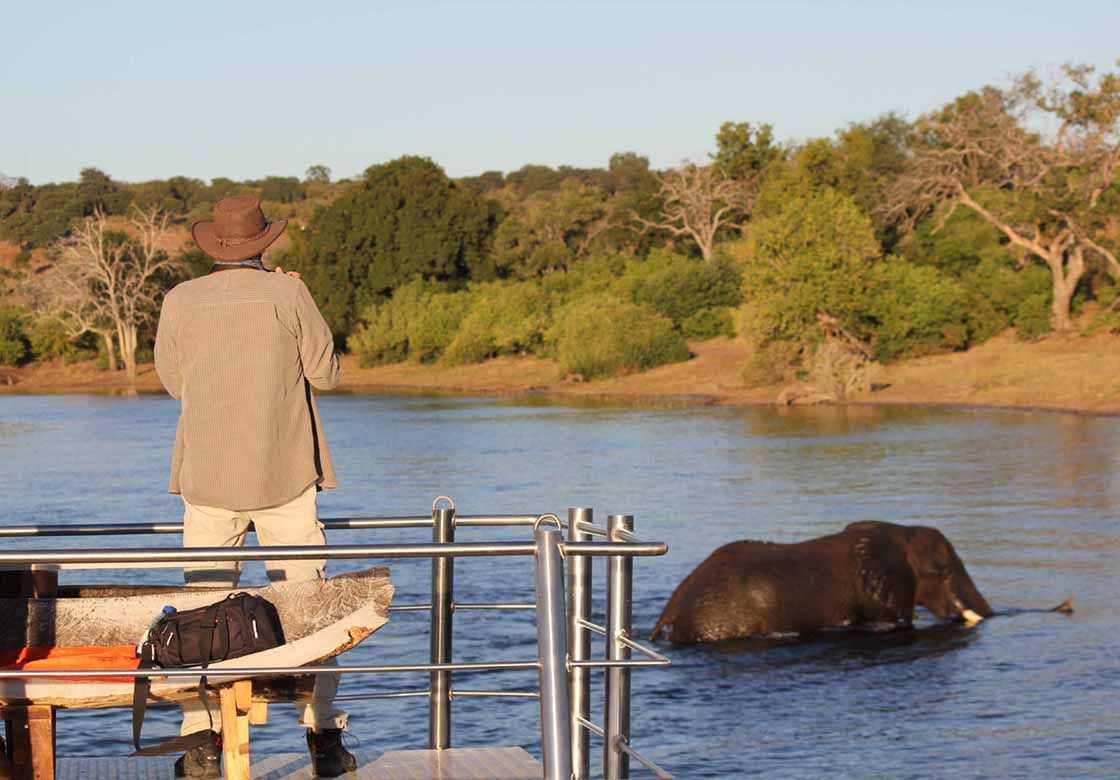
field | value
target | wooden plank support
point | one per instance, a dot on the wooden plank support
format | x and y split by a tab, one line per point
31	740
236	701
258	714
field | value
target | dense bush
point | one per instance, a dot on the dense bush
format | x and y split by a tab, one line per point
603	336
48	340
679	287
15	347
382	335
919	310
708	324
1033	318
505	318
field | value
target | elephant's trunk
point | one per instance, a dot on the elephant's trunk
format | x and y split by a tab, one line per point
971	605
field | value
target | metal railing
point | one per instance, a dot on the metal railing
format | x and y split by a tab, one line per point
563	613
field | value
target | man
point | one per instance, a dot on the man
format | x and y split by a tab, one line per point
240	349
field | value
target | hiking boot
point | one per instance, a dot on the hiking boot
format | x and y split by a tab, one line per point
328	756
202	761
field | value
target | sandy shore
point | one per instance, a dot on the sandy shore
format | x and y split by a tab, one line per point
1069	374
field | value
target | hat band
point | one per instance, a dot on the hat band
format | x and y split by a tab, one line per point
228	242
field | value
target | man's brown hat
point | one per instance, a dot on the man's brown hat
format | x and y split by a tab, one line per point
238	231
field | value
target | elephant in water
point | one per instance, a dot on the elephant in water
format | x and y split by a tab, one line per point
869	574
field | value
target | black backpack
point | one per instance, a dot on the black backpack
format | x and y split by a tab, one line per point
238	625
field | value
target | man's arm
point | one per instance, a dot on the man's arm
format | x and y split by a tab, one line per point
167	349
316	344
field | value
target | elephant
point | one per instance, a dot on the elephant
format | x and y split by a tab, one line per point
870	574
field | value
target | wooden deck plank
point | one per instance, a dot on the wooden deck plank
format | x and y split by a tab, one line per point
511	763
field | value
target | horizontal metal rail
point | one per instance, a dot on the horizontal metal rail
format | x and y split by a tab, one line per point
421	550
624	746
219	674
222	673
620	663
493	606
388	695
500	694
331	523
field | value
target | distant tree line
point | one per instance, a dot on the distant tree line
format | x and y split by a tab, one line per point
889	239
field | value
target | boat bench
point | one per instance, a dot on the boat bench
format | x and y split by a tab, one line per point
29	745
28	749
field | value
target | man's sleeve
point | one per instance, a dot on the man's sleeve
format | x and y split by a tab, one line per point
167	349
316	344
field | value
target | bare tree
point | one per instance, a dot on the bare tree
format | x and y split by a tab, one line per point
58	291
698	201
1036	161
105	281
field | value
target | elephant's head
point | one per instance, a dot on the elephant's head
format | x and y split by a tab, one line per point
941	583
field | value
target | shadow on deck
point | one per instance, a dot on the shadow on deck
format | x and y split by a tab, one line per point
452	764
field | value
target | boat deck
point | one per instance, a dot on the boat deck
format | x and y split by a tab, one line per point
453	764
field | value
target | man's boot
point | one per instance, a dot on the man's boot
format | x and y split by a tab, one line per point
202	761
328	756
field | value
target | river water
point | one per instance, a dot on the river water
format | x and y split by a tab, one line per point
1031	502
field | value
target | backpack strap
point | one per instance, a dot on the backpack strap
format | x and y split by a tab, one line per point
142	687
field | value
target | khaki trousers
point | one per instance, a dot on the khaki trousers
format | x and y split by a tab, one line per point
293	523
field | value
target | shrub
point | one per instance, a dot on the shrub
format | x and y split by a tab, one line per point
505	318
919	310
840	372
48	339
22	259
771	362
603	336
382	337
434	328
680	287
1032	317
709	323
14	345
996	290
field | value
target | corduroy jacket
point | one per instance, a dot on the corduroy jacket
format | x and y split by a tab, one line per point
240	350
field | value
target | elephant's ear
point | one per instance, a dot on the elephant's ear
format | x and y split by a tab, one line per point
885	575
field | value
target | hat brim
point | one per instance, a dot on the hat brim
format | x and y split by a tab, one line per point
203	233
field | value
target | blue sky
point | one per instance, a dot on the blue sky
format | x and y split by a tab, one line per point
244	90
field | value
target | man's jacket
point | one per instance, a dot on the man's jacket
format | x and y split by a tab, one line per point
240	349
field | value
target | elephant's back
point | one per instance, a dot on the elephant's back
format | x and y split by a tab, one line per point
750	588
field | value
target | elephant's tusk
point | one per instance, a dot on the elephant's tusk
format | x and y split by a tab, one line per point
970	617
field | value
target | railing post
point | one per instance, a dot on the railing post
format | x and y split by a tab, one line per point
551	650
616	723
579	643
443	593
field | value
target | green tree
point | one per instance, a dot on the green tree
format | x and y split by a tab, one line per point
100	193
405	219
744	151
319	174
33	216
281	189
549	230
809	268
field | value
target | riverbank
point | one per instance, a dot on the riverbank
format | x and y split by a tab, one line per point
1080	374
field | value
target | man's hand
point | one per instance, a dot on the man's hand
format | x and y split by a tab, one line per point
293	274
